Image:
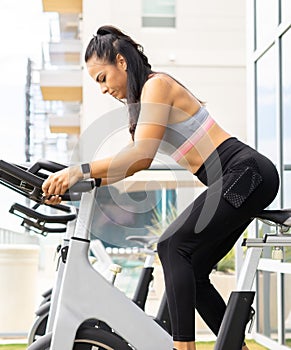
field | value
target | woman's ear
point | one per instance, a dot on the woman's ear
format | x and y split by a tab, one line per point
121	62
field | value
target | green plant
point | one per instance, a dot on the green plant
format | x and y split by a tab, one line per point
227	263
158	223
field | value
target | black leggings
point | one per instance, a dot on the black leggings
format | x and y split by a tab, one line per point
241	182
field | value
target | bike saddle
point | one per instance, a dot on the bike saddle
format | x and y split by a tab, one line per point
279	216
144	240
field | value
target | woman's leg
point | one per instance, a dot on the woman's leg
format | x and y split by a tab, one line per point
178	247
192	271
195	233
185	345
209	303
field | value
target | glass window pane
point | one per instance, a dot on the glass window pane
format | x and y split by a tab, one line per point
158	22
266	105
287	189
286	109
158	7
287	311
120	214
267	304
158	13
285	10
266	20
286	82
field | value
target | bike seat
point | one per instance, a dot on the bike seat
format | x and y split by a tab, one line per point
279	216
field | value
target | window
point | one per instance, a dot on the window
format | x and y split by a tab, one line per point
285	10
158	13
266	20
120	214
267	309
270	69
286	111
266	105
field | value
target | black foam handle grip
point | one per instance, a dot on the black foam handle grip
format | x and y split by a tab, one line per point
11	172
44	164
21	174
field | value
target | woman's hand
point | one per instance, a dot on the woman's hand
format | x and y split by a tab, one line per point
59	182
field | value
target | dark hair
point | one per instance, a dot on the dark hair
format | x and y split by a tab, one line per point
106	44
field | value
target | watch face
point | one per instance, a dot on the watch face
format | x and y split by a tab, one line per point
85	170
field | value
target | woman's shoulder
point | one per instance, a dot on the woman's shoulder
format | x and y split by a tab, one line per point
158	85
161	79
160	76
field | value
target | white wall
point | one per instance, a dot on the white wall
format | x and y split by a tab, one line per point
206	52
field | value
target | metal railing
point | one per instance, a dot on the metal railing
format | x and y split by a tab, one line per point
8	236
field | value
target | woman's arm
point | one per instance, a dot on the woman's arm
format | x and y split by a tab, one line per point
154	114
153	118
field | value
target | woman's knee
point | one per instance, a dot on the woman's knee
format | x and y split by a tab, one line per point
167	247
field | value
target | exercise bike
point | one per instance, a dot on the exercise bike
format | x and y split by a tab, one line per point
18	177
44	224
62	221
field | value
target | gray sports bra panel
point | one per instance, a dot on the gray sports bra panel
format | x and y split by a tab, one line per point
176	134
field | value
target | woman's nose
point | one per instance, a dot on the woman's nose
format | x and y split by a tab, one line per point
104	89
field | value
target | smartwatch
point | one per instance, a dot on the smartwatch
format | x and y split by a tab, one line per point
85	169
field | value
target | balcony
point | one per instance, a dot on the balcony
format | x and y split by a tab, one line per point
63	6
65	52
61	85
67	124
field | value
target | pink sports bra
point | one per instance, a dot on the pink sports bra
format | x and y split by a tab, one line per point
180	137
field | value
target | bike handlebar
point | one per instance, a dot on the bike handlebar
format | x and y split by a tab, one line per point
32	213
28	181
20	174
44	164
43	223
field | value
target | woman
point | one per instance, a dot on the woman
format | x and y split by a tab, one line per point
165	116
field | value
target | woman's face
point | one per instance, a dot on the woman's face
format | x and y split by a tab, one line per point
112	78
